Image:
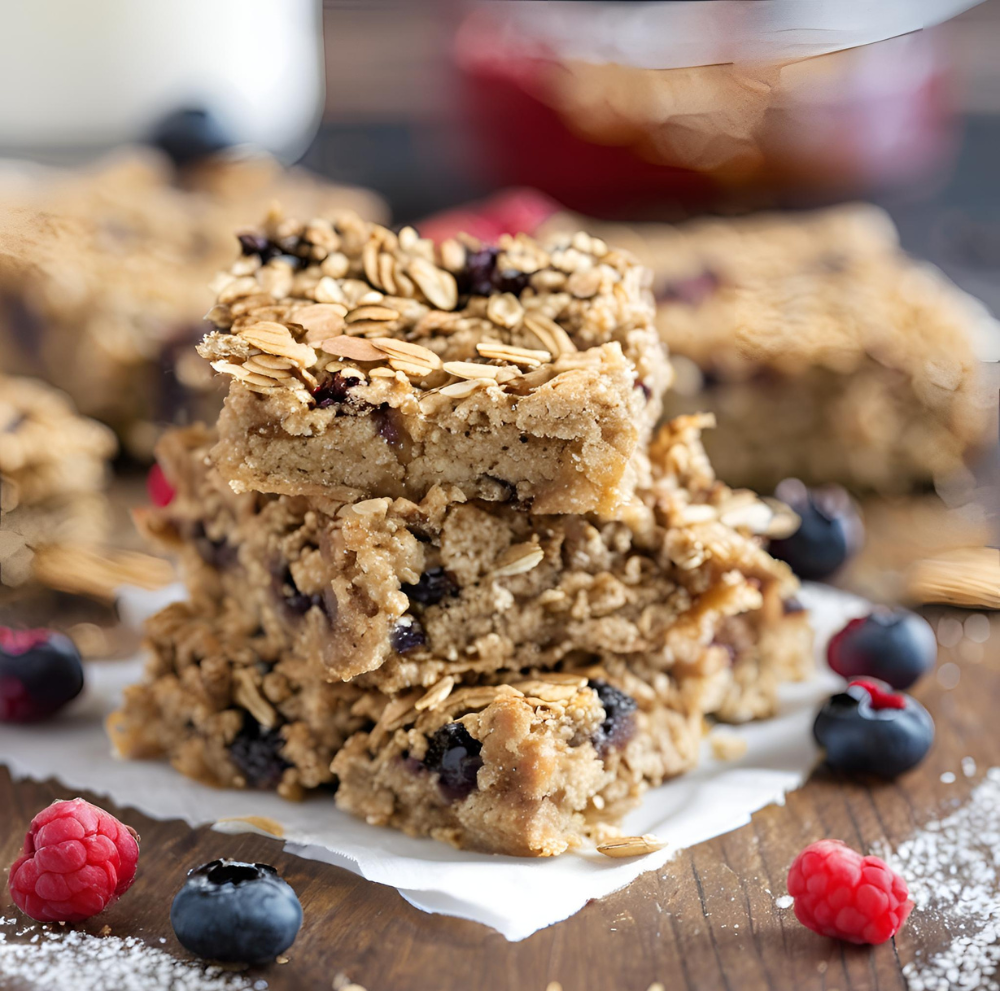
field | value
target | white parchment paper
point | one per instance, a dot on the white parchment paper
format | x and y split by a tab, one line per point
514	896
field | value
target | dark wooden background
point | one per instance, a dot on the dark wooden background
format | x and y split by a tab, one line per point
707	921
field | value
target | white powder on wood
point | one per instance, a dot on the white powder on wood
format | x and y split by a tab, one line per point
951	866
60	959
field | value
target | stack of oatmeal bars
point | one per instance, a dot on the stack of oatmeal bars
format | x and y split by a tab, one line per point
440	559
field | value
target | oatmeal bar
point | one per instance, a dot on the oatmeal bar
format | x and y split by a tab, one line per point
400	593
104	273
369	364
53	469
824	351
55	514
519	763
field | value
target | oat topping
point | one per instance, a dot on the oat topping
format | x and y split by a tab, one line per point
348	288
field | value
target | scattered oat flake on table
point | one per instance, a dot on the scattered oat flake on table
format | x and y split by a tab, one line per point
727	745
630	846
67	958
967	577
343	983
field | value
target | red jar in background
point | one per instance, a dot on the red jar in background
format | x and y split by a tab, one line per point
618	140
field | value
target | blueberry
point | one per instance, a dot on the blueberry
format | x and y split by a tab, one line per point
297	602
407	635
190	135
619	717
219	554
894	645
481	277
434	585
693	290
454	754
256	751
236	913
868	730
830	532
252	243
477	276
335	391
391	427
40	672
510	280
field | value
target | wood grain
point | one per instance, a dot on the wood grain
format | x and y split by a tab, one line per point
706	921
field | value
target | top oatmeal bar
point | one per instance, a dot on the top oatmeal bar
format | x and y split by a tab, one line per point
366	363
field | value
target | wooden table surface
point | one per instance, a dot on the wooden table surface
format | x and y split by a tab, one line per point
706	921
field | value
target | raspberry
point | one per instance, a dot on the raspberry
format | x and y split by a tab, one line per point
841	894
76	861
161	493
510	211
880	696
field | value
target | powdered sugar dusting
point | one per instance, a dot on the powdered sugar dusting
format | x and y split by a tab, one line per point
952	870
57	959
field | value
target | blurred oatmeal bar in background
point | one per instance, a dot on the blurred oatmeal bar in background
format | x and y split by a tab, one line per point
53	472
825	352
55	517
104	274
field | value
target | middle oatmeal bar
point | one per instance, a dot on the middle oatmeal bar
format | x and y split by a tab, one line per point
369	364
398	594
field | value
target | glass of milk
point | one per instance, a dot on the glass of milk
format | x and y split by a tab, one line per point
81	77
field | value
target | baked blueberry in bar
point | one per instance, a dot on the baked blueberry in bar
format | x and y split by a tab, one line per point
104	273
366	364
399	594
525	763
825	352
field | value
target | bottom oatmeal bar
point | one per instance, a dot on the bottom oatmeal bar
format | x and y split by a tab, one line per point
509	762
